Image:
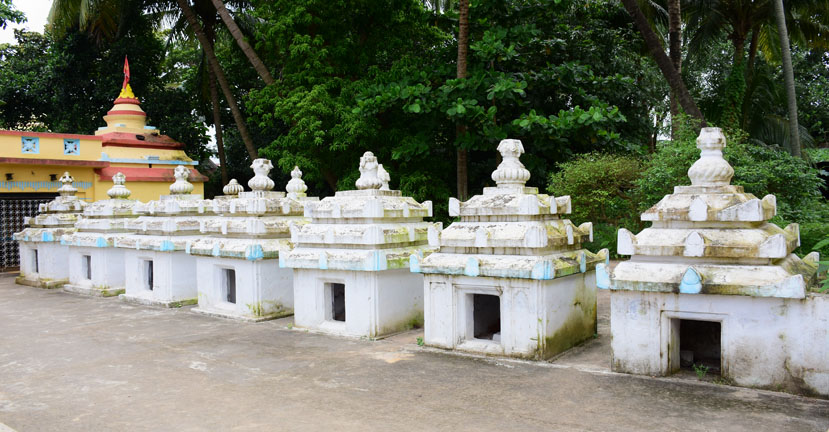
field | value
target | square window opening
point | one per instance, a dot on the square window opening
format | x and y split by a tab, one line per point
700	346
148	274
229	285
486	317
86	266
34	261
336	293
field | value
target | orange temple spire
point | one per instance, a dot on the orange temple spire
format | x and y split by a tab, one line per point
126	72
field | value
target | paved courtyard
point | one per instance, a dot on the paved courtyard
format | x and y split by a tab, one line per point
71	363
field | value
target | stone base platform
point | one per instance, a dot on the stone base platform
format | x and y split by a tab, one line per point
93	291
247	318
150	302
41	283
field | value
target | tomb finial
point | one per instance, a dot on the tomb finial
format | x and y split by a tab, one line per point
118	190
232	188
368	172
260	181
296	186
181	185
67	189
384	177
711	169
511	172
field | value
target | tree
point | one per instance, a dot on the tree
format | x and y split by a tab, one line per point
675	53
664	63
463	48
791	98
9	13
234	30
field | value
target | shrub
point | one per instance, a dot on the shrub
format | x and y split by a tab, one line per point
602	189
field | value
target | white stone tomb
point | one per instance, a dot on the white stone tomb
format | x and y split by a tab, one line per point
43	259
96	266
158	270
511	277
712	285
351	262
236	260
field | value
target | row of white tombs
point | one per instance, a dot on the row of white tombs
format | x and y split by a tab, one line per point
710	283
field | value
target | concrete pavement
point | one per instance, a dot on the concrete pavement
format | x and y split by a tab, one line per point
72	363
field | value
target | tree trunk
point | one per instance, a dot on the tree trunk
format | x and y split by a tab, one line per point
217	124
750	83
675	53
788	75
243	44
463	47
220	76
663	62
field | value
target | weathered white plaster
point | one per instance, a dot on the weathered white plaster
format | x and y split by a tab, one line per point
776	343
511	243
246	233
156	249
711	256
377	303
362	239
43	260
103	224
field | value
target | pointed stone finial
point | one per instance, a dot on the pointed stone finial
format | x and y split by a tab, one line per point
368	172
67	189
118	190
181	185
296	186
510	172
711	169
233	188
384	177
260	181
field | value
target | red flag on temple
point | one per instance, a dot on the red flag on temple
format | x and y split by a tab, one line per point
126	72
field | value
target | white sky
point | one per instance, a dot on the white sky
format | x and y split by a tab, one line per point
36	13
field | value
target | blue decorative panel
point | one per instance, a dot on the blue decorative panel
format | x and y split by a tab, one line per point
71	147
30	145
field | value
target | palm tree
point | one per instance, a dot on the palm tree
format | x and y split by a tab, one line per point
788	75
460	129
254	59
754	21
666	66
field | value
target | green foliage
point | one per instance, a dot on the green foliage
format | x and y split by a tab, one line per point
761	170
603	191
823	265
701	370
9	13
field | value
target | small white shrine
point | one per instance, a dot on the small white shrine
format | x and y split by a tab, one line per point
713	286
351	274
511	277
236	258
43	259
96	266
158	270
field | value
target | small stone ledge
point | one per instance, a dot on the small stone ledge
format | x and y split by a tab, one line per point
246	318
150	302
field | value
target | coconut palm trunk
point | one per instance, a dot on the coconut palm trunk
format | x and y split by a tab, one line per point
217	125
663	61
260	67
788	76
193	22
460	129
675	53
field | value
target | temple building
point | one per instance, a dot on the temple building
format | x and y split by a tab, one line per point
32	162
714	288
351	263
511	277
